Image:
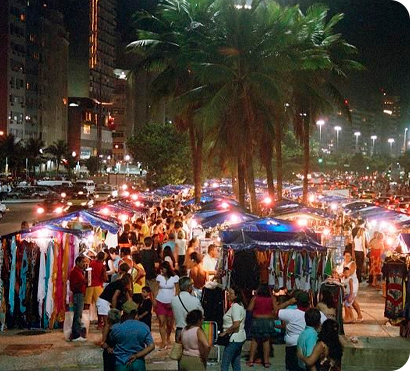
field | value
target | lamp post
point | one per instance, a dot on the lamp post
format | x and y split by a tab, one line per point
320	123
357	135
127	159
337	129
373	138
405	140
391	141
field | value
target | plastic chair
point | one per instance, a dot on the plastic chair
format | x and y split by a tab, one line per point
211	332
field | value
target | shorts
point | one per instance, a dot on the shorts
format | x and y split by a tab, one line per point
103	306
263	328
92	294
164	309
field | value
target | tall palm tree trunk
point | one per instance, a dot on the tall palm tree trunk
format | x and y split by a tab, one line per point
235	184
278	155
196	142
306	159
241	181
267	163
250	181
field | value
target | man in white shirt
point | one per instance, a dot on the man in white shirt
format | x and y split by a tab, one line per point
183	303
295	324
210	261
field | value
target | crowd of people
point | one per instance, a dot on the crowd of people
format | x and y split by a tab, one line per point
154	270
157	272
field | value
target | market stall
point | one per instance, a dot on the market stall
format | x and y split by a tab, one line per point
35	266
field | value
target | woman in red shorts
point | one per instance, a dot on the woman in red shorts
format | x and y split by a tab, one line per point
167	289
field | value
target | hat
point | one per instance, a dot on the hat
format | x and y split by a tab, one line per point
302	299
129	307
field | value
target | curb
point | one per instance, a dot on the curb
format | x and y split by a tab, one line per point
22	201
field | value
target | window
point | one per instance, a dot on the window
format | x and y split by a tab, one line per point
87	129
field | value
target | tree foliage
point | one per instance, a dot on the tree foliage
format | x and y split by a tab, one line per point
164	152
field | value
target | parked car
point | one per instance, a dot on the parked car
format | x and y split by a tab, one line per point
105	192
89	185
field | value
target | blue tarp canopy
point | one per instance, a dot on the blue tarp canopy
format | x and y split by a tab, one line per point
268	224
50	227
94	219
240	240
309	211
212	218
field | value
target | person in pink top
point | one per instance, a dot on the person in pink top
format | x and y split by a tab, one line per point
263	324
194	344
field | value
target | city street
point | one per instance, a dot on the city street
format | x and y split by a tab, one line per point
18	212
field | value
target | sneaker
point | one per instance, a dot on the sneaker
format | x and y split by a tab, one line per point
79	339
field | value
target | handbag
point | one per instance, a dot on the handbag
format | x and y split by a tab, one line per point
223	340
176	352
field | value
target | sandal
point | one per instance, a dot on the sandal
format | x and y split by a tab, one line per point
266	365
249	364
360	320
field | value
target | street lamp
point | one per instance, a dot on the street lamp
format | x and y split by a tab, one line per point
391	141
337	128
320	123
373	138
357	135
405	140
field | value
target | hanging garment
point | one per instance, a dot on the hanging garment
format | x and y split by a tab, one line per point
41	289
2	300
394	271
50	284
213	303
111	240
33	254
12	283
65	269
271	280
23	278
245	270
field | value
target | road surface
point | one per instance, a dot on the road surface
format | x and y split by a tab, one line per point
16	213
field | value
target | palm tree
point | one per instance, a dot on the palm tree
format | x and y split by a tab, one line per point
11	152
169	45
313	92
34	152
58	150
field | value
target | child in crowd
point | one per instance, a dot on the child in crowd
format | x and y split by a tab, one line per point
348	297
145	307
114	316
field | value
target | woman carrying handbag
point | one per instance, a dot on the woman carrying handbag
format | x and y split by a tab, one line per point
234	331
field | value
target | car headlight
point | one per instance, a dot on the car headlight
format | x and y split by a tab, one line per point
114	193
69	203
40	210
83	203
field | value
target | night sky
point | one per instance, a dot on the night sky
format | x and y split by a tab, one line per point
380	29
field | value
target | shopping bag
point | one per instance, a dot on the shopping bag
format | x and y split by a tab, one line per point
68	324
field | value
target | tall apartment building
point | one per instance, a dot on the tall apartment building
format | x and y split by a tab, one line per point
91	25
12	67
33	53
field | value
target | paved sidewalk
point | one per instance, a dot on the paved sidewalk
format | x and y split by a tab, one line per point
379	347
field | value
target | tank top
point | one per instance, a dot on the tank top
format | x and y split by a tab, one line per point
263	306
354	277
190	342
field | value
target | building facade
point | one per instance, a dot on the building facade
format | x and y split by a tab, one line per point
33	66
91	25
83	121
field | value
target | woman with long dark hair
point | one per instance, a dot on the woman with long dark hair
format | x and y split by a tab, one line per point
328	352
327	305
167	288
234	327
